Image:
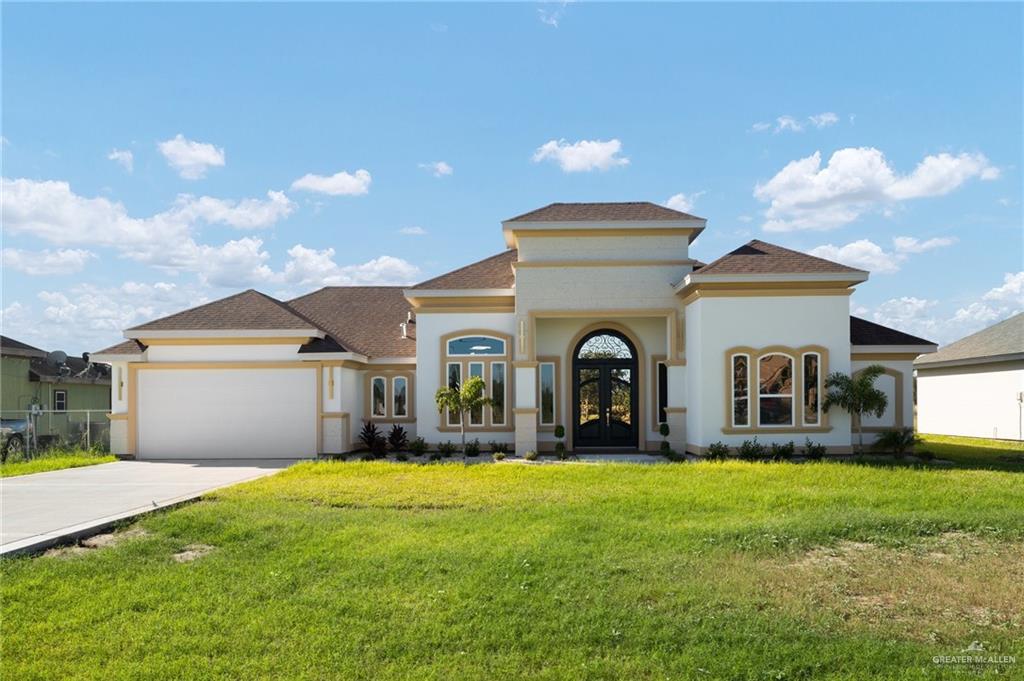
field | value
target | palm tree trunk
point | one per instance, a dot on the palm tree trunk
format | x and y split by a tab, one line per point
462	429
860	436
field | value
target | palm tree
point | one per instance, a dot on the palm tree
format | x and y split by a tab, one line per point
462	400
857	395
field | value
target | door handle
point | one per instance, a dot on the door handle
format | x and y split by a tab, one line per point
608	416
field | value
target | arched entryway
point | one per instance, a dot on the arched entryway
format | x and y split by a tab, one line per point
604	391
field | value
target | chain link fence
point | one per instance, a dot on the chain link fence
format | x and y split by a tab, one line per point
40	430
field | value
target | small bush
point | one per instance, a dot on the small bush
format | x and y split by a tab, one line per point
473	448
783	452
814	451
435	456
446	449
559	431
897	440
664	430
560	451
401	456
752	449
418	447
925	455
530	455
369	435
498	456
675	456
398	438
717	451
498	447
665	448
379	449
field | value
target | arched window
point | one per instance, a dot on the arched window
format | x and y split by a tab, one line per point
776	388
605	346
468	354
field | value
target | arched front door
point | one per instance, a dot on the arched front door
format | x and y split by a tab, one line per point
604	390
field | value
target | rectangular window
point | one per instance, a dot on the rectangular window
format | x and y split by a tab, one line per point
476	416
454	381
400	395
812	388
547	393
378	388
775	390
60	400
740	390
498	393
662	392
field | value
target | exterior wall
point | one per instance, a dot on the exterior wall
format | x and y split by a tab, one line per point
534	248
597	288
223	353
16	391
898	385
716	324
979	400
429	329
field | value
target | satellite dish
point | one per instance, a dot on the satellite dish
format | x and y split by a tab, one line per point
57	357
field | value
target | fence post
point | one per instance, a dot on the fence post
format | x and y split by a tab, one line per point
88	429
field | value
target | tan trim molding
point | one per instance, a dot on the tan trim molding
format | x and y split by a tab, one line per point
532	264
117	417
389	376
673	329
616	232
559	391
753	390
525	410
775	290
244	340
655	361
457	303
897	376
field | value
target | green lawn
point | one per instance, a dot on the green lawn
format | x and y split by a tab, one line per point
53	462
383	571
976	452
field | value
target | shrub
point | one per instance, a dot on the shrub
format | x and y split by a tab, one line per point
752	449
783	452
559	431
814	451
472	448
498	456
401	456
673	455
398	438
446	449
665	448
435	456
530	455
498	447
418	447
896	440
717	451
560	451
379	449
369	435
925	455
664	430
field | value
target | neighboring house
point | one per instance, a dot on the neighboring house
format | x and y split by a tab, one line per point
975	386
596	317
30	377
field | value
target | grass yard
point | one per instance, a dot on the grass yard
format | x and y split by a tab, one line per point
53	461
973	451
382	571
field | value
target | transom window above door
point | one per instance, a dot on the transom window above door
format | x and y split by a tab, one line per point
472	346
605	346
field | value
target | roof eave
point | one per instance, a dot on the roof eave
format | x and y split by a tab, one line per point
510	227
140	333
109	358
694	279
936	363
917	348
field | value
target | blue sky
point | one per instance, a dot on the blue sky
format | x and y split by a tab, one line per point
157	156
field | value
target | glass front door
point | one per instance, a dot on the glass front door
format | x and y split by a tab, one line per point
605	392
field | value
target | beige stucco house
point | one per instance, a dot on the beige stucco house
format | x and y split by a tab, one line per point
595	317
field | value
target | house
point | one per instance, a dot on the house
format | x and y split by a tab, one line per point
595	317
31	376
975	386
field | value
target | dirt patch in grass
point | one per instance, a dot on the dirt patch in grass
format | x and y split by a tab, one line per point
97	541
940	589
192	552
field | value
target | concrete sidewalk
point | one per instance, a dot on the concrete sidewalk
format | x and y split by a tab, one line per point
42	509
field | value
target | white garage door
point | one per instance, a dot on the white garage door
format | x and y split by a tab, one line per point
226	413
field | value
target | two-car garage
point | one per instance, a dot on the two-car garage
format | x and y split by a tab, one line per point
226	412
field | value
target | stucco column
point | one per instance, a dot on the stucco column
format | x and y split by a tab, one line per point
675	411
525	409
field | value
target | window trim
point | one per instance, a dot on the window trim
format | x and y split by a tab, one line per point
449	420
553	363
504	391
64	394
384	401
796	424
394	394
446	423
793	403
803	388
448	342
732	391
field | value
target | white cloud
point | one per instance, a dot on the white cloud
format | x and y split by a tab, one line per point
61	261
123	157
339	184
783	123
803	195
243	214
308	268
823	120
551	16
761	126
683	202
438	168
1012	290
582	156
412	231
866	254
191	159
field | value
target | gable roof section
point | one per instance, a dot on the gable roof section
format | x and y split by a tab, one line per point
627	211
1004	340
490	273
247	311
761	257
126	347
863	332
9	346
362	319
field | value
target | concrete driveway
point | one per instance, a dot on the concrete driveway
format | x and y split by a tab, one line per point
42	509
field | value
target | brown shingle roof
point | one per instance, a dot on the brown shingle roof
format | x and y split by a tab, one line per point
15	347
127	347
760	257
863	332
249	310
493	272
602	212
998	340
363	319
